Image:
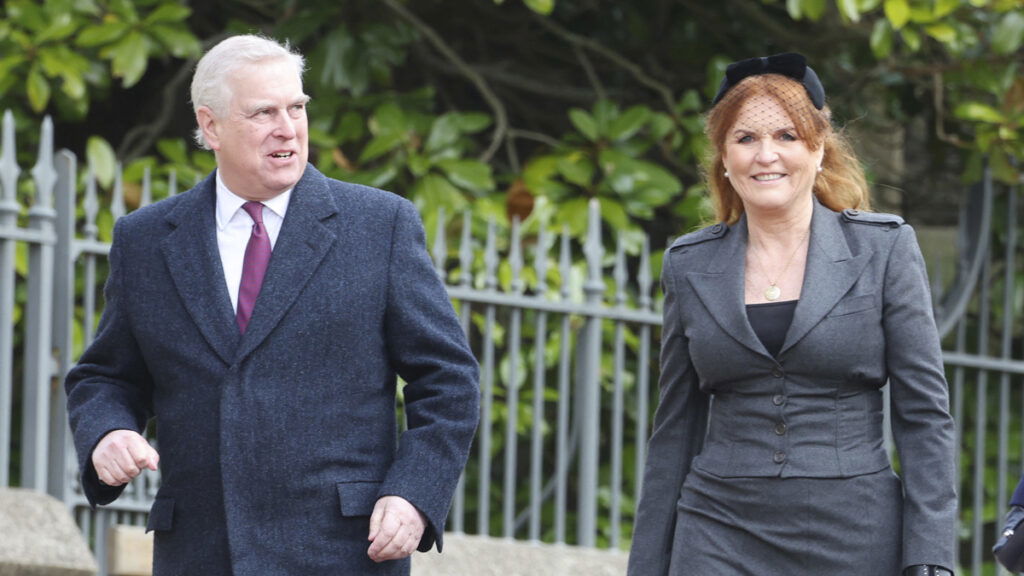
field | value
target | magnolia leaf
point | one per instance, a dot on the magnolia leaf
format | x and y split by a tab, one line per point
605	111
443	133
942	32
434	190
814	9
661	125
60	27
380	145
584	122
471	175
614	213
849	10
690	102
979	112
577	169
898	13
388	118
944	8
628	123
543	7
794	9
173	149
73	86
881	39
102	34
471	122
129	59
911	38
178	40
37	88
101	159
1009	33
418	164
168	13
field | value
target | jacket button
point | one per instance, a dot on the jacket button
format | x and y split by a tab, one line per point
779	457
778	399
777	373
716	229
852	212
780	428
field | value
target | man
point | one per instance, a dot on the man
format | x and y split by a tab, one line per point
262	318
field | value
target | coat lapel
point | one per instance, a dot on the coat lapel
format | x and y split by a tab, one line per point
830	272
300	248
193	260
720	287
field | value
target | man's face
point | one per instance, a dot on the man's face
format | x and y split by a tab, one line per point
262	139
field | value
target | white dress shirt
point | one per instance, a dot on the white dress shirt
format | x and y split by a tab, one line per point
234	226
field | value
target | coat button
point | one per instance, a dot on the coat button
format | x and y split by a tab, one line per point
779	457
716	229
780	428
776	372
778	399
853	212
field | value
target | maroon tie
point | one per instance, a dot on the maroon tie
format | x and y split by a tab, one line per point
254	267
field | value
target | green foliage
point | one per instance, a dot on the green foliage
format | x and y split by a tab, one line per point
920	32
65	49
524	109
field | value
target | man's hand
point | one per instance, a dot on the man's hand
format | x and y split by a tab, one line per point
396	527
121	455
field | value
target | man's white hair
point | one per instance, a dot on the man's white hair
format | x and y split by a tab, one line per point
210	86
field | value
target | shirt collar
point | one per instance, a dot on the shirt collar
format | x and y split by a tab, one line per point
228	203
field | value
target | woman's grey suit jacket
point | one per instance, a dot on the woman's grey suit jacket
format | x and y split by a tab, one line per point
864	318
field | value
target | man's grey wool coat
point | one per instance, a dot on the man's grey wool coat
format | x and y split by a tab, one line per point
864	318
274	446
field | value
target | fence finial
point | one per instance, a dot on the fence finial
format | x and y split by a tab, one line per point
440	245
9	169
491	257
515	257
43	172
593	249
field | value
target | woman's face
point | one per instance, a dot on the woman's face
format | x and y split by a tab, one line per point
770	167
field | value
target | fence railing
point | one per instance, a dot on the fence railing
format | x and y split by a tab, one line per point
567	347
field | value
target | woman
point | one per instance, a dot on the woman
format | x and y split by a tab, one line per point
782	324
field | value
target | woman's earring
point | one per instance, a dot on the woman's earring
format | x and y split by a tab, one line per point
726	173
820	168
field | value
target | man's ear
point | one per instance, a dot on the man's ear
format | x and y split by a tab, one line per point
208	124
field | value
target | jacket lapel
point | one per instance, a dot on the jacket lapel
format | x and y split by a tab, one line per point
720	287
193	260
830	272
300	248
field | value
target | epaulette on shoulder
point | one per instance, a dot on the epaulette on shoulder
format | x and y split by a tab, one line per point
703	235
873	218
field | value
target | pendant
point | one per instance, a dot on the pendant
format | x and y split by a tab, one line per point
772	292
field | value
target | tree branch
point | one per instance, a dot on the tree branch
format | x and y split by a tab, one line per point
940	115
500	115
140	138
589	69
636	71
532	85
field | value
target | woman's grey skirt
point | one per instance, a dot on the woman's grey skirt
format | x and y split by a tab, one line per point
788	526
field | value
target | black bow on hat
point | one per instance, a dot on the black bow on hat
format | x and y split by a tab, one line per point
790	64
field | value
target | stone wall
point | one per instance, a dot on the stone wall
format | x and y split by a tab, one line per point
38	537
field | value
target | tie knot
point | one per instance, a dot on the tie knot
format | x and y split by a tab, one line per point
255	210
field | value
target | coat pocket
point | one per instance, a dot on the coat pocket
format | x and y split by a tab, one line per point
357	498
161	515
852	305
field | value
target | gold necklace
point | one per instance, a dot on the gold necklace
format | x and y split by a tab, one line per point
772	292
